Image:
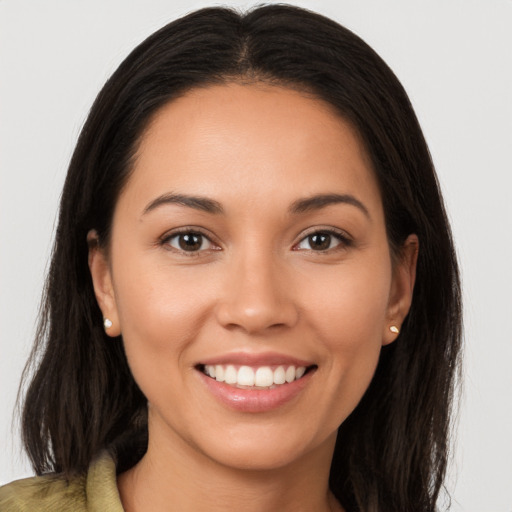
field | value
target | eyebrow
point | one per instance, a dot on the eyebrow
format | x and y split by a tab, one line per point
299	206
197	202
322	200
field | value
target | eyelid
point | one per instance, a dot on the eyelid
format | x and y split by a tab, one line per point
168	235
345	239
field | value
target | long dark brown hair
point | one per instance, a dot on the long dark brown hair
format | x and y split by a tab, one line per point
392	451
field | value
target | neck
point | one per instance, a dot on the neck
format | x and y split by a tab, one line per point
174	475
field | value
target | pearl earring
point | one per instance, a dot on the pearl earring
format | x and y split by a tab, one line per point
394	329
107	323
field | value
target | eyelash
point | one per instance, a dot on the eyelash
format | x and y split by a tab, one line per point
344	241
343	238
166	239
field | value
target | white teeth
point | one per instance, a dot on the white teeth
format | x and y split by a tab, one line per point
230	375
219	373
262	377
245	376
279	375
210	370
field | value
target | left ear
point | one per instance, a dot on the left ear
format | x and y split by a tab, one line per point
402	287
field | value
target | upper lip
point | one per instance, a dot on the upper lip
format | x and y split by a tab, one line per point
253	359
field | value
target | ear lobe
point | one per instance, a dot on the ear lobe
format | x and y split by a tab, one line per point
102	283
402	287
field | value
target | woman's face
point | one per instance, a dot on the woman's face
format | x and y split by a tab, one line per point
249	244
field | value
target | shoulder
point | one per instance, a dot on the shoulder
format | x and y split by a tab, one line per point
92	492
48	492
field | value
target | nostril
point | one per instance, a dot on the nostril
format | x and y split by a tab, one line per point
251	319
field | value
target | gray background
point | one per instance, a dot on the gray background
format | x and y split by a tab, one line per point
454	59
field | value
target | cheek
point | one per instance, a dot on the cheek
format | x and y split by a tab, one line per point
349	306
348	315
160	315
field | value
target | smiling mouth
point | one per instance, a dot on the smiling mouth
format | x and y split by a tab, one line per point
261	377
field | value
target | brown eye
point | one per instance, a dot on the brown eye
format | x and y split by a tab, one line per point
322	241
319	241
189	242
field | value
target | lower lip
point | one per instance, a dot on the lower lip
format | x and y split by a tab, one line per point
256	400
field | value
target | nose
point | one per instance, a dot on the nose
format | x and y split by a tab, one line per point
257	296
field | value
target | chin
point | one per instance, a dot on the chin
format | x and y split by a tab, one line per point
264	449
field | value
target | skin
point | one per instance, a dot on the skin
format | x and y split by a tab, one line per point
257	286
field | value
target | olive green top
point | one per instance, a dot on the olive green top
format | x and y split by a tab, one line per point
94	492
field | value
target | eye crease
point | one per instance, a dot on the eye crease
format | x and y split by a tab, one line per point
322	241
191	241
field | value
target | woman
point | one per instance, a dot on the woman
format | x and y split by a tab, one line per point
254	299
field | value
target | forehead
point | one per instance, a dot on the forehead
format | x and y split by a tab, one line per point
265	143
